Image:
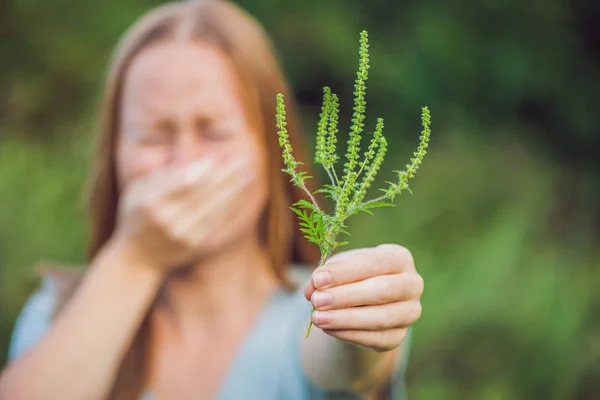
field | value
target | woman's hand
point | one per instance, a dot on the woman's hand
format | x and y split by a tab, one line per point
168	218
368	297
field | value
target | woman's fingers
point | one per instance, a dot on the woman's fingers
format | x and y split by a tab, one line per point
176	212
204	175
309	289
158	185
370	318
362	264
204	212
380	289
194	186
377	340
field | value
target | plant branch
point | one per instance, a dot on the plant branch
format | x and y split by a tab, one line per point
347	193
324	258
331	176
381	198
335	175
312	198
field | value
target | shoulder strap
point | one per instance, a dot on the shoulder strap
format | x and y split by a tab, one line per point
58	282
34	319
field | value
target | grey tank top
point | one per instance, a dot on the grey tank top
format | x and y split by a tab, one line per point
267	366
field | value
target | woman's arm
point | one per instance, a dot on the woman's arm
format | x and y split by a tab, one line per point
80	354
161	224
335	365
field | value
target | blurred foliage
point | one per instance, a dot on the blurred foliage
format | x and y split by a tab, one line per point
505	220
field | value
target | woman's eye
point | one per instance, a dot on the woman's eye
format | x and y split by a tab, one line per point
159	133
212	131
217	133
153	139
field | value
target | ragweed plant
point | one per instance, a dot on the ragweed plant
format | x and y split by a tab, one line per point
348	193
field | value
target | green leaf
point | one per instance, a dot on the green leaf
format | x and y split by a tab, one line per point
318	220
378	204
322	191
328	193
305	204
302	175
326	188
310	239
296	211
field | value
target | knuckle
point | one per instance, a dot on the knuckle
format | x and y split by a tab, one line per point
397	253
406	257
385	320
174	236
174	233
392	250
415	312
386	290
418	285
379	341
147	211
389	250
402	334
391	247
380	254
389	340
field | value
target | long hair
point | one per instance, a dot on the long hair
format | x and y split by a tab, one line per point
243	40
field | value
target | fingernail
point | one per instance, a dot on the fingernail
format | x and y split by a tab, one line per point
321	278
321	299
321	317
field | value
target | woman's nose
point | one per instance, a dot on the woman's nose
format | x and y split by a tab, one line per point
185	149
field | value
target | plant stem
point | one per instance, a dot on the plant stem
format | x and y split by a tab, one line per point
337	181
324	257
360	171
311	196
309	323
330	176
372	201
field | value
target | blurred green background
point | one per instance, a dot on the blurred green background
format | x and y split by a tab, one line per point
504	222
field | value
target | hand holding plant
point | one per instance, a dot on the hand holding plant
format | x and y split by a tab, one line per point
348	191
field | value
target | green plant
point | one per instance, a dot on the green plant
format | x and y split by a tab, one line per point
347	193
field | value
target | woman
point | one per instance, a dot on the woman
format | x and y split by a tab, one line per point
195	259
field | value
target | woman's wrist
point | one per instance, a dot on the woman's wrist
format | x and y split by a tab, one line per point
375	370
118	253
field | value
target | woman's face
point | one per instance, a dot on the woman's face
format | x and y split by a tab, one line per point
182	101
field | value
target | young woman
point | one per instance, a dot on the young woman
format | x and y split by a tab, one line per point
199	284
